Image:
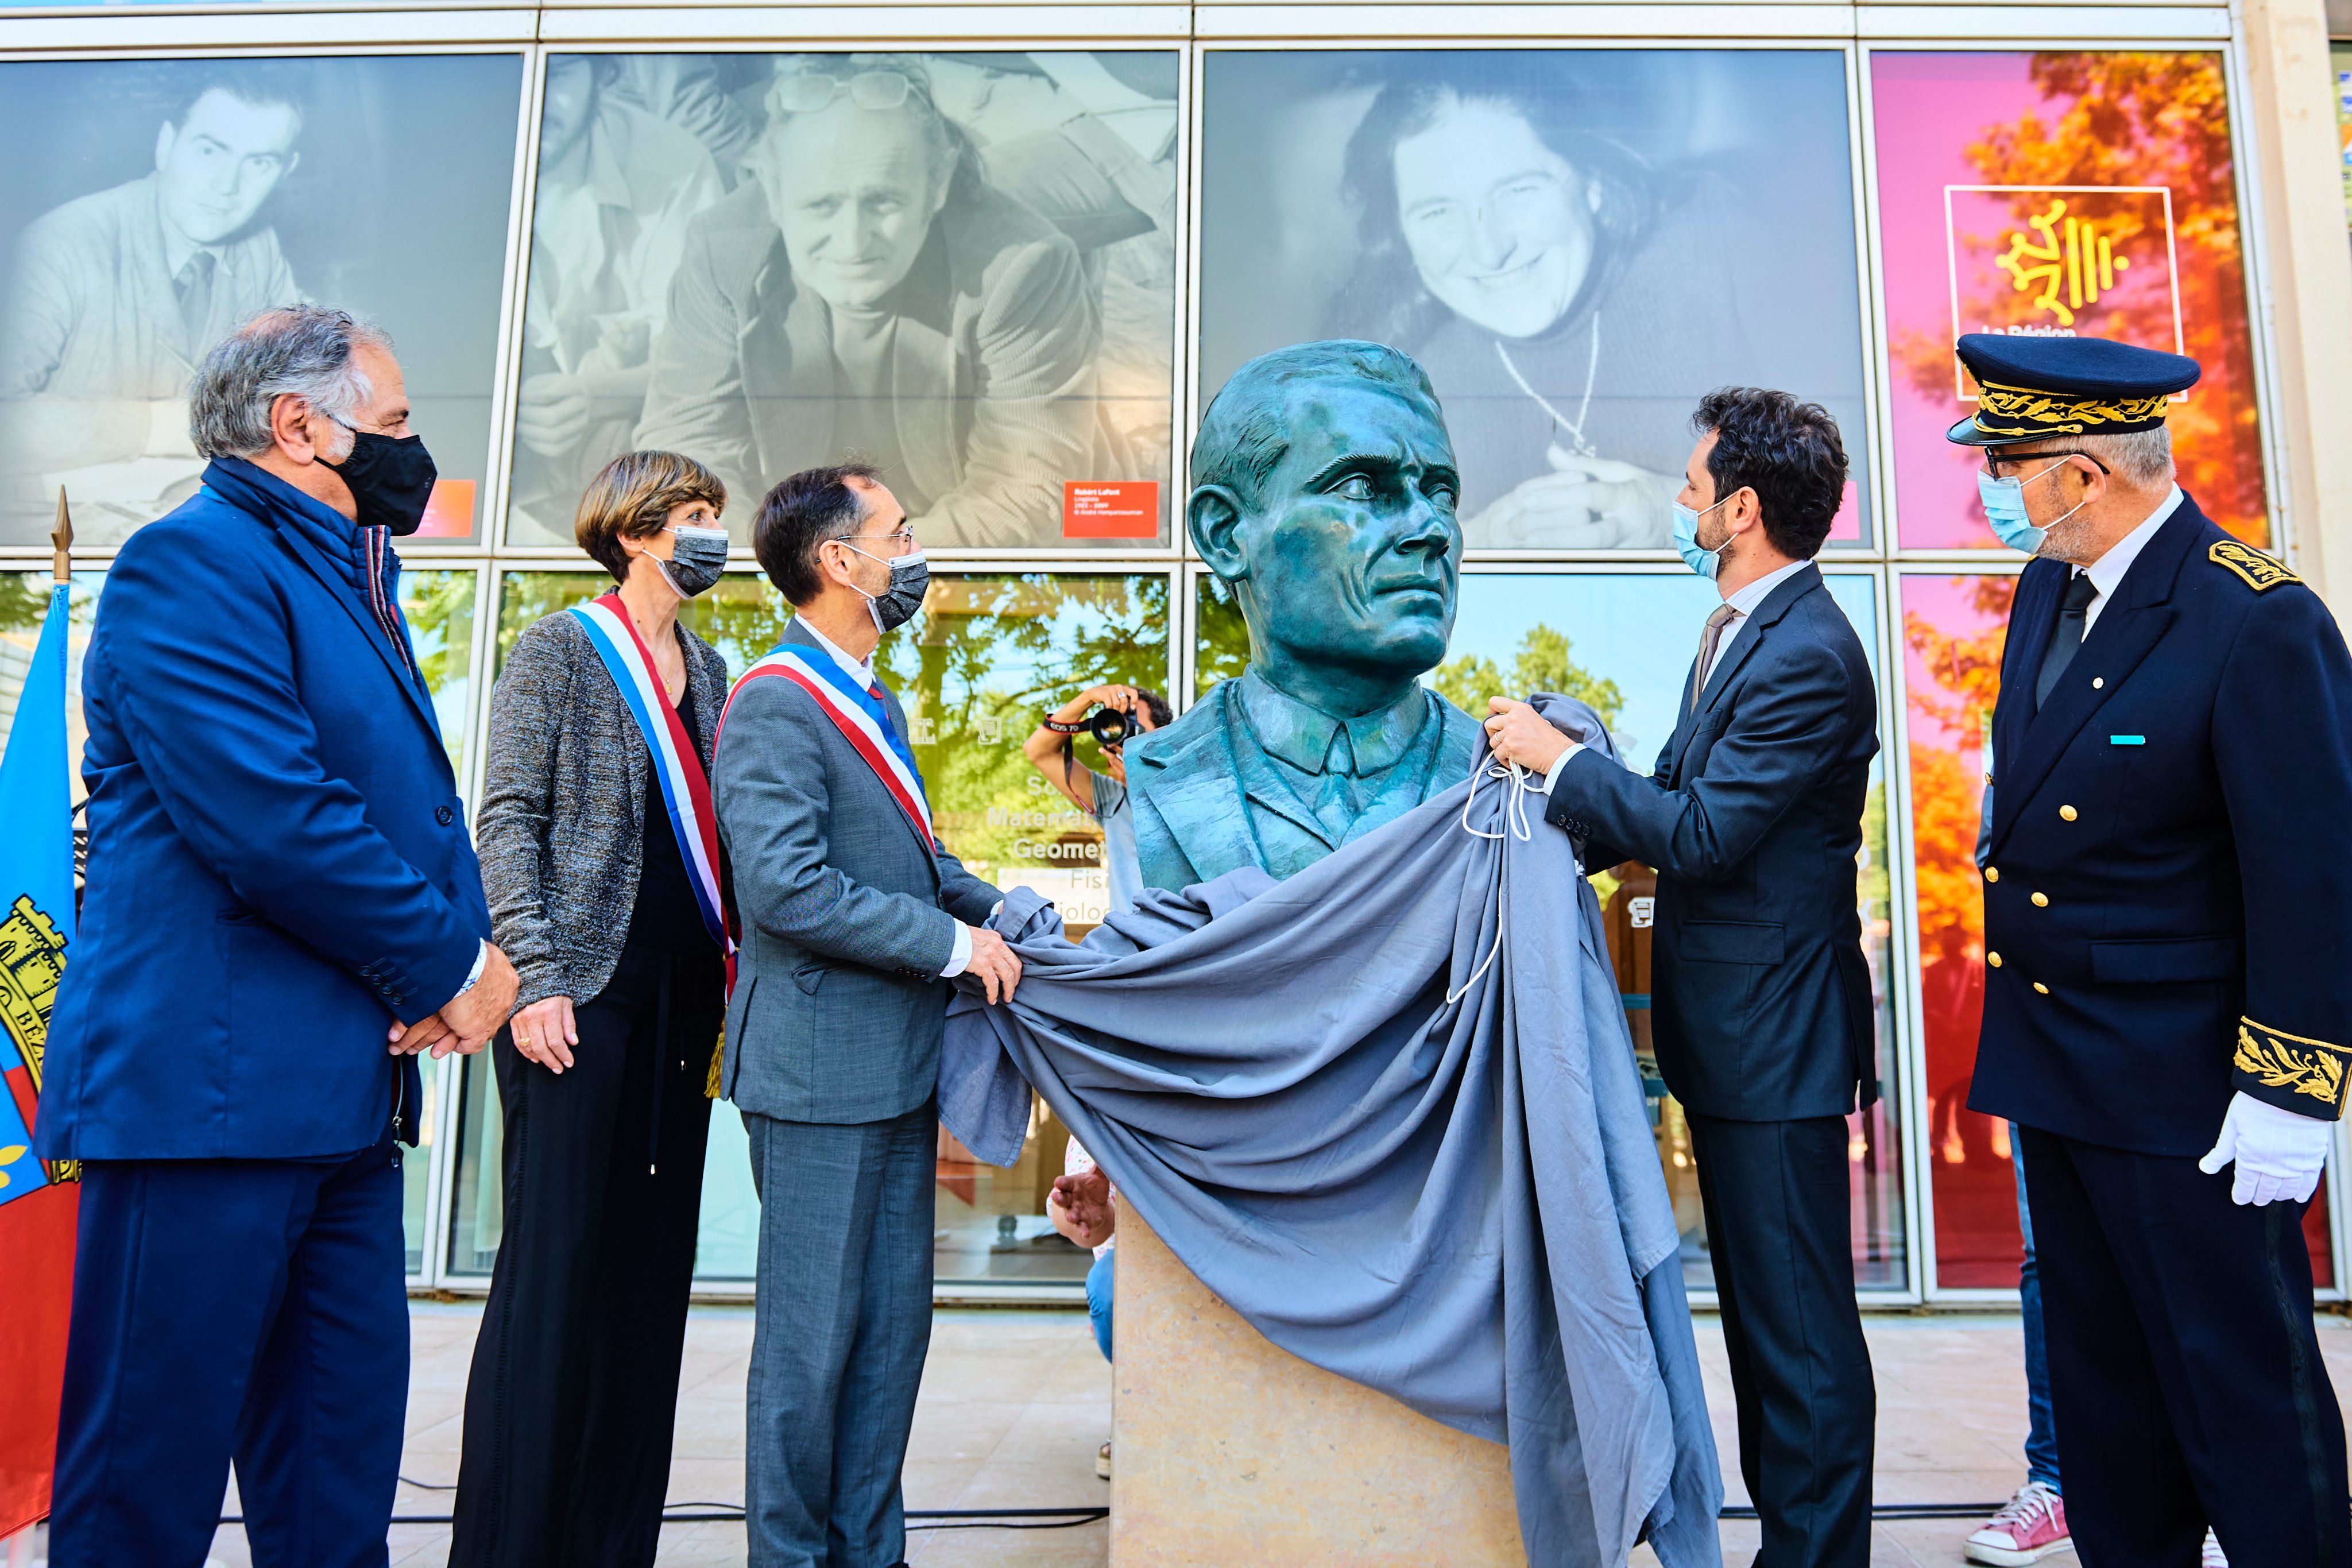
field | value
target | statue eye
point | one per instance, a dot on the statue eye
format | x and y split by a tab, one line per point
1356	487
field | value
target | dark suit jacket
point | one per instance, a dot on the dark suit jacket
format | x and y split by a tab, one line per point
847	916
279	864
1761	1002
2182	803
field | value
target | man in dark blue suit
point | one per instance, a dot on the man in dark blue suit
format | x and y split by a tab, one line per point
283	909
2168	880
1761	1002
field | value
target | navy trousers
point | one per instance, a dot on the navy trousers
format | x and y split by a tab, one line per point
1778	1207
2183	1365
843	1320
253	1311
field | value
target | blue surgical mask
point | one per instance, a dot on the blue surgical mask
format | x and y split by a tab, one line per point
2004	506
1697	557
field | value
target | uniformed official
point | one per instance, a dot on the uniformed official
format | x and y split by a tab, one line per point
2167	883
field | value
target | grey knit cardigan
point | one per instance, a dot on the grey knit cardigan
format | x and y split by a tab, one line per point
560	835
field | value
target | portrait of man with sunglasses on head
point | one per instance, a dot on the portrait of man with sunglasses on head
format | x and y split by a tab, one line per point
866	291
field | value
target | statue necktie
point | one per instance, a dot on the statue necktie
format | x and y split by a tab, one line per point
1335	802
1723	616
193	289
2066	637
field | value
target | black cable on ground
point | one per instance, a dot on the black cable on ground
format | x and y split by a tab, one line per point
1070	1518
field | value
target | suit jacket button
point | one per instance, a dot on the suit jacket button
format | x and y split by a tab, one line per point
2041	987
443	815
2066	813
1994	959
2041	901
1992	873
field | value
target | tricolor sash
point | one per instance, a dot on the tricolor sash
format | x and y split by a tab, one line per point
861	718
677	762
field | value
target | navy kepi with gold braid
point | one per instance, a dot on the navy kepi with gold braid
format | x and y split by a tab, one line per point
2031	388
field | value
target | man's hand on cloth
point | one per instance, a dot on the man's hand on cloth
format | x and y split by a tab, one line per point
467	1021
1080	1207
2279	1154
1517	733
993	963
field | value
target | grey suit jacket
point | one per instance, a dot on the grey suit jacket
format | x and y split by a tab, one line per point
847	917
562	829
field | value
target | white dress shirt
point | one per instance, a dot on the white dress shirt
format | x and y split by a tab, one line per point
2106	573
1744	602
862	672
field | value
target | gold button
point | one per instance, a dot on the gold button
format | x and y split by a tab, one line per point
2066	813
1992	873
1994	959
2041	901
2042	988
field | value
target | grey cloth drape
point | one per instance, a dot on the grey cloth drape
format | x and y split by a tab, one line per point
1457	1203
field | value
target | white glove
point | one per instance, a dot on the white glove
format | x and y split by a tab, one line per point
2279	1154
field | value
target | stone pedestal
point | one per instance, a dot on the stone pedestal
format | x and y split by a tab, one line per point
1228	1450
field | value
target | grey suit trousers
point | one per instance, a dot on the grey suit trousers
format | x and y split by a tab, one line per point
842	1326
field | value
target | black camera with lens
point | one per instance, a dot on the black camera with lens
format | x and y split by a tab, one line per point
1108	725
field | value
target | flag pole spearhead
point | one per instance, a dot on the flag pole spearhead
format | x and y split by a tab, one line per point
61	540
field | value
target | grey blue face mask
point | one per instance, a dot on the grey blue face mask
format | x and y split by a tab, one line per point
697	563
2004	506
910	579
1697	557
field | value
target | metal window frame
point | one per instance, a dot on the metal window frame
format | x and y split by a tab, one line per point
1859	30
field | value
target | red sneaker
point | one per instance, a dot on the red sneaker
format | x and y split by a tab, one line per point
2029	1527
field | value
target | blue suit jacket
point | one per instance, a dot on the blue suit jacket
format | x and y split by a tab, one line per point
279	861
1761	1002
2182	806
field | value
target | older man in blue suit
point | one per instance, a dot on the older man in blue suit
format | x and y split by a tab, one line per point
283	910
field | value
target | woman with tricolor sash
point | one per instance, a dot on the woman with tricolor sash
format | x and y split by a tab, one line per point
601	859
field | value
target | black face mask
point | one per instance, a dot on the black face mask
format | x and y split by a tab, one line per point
390	477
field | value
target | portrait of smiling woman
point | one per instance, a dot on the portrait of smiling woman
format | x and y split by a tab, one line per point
1577	246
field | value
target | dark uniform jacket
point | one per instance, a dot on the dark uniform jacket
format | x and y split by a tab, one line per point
2168	877
1761	1002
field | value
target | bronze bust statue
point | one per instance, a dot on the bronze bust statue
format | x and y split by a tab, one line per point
1323	493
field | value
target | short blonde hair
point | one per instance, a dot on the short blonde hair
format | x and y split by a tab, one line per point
632	498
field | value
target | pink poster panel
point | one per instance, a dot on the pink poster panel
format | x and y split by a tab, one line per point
2048	193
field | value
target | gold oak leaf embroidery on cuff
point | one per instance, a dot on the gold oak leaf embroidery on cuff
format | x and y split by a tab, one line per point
2276	1059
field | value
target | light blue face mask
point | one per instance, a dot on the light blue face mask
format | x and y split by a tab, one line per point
1697	557
2004	506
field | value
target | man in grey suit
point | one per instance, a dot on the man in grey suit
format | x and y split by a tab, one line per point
852	919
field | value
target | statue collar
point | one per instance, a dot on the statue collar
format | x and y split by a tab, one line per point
1306	738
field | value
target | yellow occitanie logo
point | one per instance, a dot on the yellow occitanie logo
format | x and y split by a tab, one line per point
2070	255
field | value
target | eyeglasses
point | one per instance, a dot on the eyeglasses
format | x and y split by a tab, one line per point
812	91
1993	461
904	535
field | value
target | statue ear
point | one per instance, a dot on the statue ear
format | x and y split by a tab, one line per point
1214	518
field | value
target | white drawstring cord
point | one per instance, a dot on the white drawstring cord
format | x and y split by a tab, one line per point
1515	823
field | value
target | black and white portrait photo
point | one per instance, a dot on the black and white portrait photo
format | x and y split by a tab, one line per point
153	205
1576	245
959	267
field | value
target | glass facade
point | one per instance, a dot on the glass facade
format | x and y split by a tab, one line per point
579	249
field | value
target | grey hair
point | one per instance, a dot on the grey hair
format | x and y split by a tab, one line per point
2143	457
298	350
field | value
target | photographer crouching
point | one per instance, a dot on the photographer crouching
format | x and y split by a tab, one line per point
1110	713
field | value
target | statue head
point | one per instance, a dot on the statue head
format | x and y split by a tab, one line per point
1323	492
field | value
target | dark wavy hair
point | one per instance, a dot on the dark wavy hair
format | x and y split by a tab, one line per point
798	516
1383	297
1786	450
